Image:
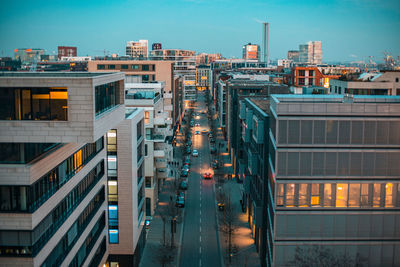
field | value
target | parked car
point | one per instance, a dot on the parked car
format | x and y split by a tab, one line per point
212	140
195	153
186	161
207	175
213	150
188	150
189	143
197	132
204	131
184	173
214	165
186	168
197	124
180	202
183	185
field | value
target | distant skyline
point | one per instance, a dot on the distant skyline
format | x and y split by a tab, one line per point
350	30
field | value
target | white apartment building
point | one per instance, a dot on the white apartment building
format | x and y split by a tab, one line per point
158	149
137	49
311	52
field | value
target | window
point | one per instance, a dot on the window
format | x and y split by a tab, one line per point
328	195
145	78
135	67
124	67
148	206
310	73
376	201
145	150
303	195
364	195
46	103
280	194
145	67
112	141
111	67
101	67
354	195
315	201
302	73
106	97
341	195
148	181
302	81
310	81
389	195
112	191
146	117
290	195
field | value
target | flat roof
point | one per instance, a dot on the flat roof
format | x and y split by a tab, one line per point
294	98
55	74
261	103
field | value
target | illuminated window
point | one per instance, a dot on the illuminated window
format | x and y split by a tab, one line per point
341	195
146	117
328	195
113	236
112	191
354	195
78	160
290	195
365	195
376	201
303	195
389	195
279	201
112	141
315	195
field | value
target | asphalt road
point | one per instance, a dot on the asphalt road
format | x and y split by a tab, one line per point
200	245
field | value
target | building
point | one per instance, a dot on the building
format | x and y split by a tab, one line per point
137	49
171	54
379	83
320	76
28	55
156	46
251	51
126	190
143	71
158	151
254	122
53	172
311	52
334	178
205	58
285	63
203	77
67	51
293	55
9	64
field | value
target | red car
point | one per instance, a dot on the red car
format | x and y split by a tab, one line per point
207	175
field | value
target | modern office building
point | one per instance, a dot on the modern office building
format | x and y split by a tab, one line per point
137	49
53	173
334	178
203	77
311	53
376	83
254	123
251	51
66	51
293	55
171	54
28	55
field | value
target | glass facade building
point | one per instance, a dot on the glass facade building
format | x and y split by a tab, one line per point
333	164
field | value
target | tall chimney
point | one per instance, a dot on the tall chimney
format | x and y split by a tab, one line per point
265	41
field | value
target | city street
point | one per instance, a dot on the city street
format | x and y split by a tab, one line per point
200	244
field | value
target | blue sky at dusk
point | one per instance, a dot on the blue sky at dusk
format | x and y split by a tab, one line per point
350	30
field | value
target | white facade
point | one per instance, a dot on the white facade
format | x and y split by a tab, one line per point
137	48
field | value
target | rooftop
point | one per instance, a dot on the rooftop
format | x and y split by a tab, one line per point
261	102
56	74
293	98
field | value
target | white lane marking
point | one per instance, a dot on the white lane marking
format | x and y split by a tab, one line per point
200	251
200	239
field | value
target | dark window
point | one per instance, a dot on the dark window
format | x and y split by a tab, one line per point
111	67
145	67
145	78
101	67
148	181
302	81
135	67
124	67
106	97
148	206
302	73
310	73
153	68
145	150
22	153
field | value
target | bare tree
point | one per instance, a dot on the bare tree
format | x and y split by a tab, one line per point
165	254
228	224
321	256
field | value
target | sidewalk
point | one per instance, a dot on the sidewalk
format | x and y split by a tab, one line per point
244	250
153	253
